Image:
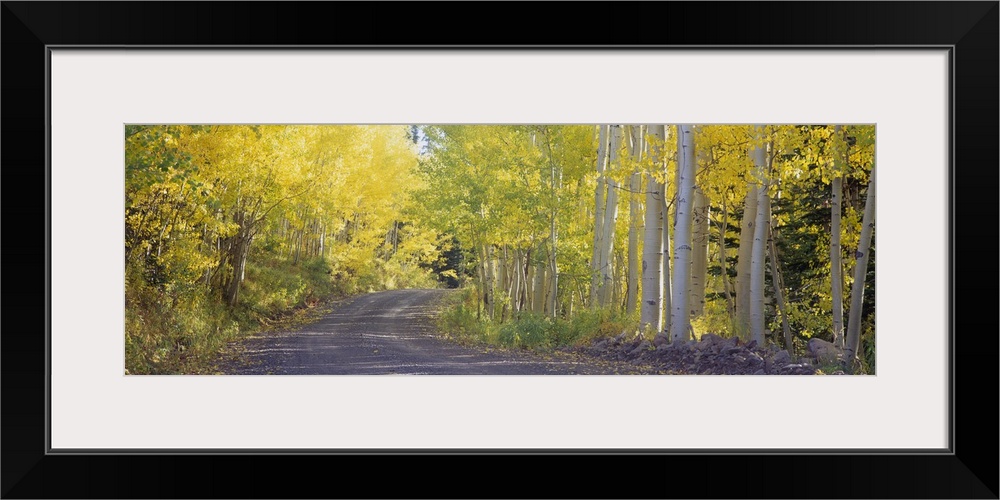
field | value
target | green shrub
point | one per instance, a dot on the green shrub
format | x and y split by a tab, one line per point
528	331
460	319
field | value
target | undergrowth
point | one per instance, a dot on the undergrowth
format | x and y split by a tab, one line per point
464	321
180	329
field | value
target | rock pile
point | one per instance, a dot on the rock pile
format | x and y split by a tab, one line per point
713	355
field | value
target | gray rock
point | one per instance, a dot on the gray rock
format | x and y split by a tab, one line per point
823	351
711	339
639	349
660	339
731	350
781	358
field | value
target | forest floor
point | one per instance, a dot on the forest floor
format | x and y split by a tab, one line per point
393	332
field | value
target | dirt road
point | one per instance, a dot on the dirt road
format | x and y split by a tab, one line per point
392	332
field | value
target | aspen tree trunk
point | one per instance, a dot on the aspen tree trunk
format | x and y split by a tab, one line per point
529	280
610	220
860	270
679	315
515	295
538	295
595	267
699	253
666	260
779	290
836	265
743	256
758	254
322	242
503	282
524	270
489	294
554	236
652	245
607	252
632	293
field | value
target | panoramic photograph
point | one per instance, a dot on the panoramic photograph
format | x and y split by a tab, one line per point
489	249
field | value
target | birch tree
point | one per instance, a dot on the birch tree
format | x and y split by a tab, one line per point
860	269
652	246
635	182
758	251
679	316
599	192
610	219
743	256
836	266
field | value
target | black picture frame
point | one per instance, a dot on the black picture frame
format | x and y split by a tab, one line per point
968	470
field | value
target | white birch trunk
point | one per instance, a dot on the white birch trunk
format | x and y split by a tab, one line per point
860	270
679	315
759	250
553	234
836	264
699	253
490	282
602	158
538	295
743	257
666	260
610	220
635	183
652	246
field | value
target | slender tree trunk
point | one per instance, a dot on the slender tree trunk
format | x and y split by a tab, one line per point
860	270
595	267
679	315
322	242
779	289
759	250
610	220
667	309
635	184
743	256
836	265
607	252
538	299
529	280
699	253
652	246
554	236
491	277
503	282
237	248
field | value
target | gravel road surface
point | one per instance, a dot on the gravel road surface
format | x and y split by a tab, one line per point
392	332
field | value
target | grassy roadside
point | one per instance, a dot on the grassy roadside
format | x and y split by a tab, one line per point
174	330
461	321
